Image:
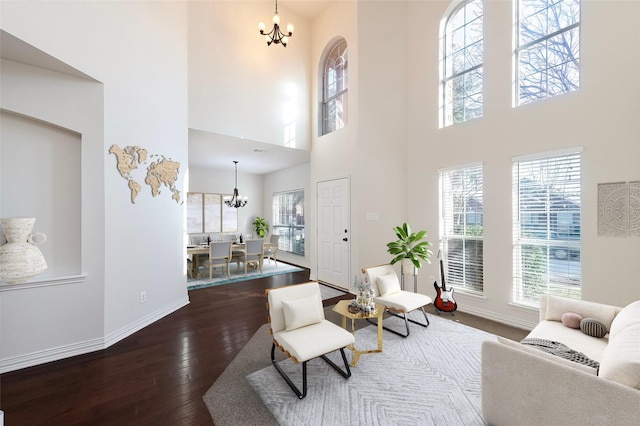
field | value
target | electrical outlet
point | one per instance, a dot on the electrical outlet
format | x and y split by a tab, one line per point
143	296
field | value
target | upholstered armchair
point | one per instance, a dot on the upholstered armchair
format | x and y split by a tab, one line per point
397	302
300	330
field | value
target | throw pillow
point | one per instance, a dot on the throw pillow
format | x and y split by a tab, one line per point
593	327
302	312
388	284
571	319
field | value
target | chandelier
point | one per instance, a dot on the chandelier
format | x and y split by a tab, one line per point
236	201
276	35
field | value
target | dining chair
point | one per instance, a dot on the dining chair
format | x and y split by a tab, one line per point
219	255
228	237
271	251
300	330
397	302
253	252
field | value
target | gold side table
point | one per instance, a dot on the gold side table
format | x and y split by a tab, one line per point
342	308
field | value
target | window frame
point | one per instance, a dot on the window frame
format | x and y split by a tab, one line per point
534	235
467	266
448	74
338	50
289	232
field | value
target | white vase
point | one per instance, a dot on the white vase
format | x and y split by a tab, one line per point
407	267
20	259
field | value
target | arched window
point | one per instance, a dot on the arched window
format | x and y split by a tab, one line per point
548	49
461	49
334	88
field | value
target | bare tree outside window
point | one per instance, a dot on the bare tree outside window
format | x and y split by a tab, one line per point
548	51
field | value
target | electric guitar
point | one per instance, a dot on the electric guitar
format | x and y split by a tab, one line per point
444	298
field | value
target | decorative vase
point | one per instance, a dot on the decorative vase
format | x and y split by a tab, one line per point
20	259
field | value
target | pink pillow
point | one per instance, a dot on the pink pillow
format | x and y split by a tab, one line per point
571	319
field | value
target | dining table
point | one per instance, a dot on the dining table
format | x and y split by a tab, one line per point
199	253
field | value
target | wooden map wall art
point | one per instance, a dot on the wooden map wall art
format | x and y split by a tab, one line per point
619	209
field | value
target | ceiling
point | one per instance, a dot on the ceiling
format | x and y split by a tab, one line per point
216	151
308	9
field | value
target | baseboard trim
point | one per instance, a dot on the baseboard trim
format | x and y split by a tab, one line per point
514	322
129	329
87	346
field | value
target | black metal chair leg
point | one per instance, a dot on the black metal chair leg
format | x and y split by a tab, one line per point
301	394
406	319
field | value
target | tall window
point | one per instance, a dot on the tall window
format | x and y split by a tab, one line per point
334	89
288	220
461	227
547	49
546	227
462	59
206	213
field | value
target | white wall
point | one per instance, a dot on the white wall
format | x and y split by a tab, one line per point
239	86
602	117
138	50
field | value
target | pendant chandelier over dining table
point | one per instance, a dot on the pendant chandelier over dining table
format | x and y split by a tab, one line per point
276	35
236	200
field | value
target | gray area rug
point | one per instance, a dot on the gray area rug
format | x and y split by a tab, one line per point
430	378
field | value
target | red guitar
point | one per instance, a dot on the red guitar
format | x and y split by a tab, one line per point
444	299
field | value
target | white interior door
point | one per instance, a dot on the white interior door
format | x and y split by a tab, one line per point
333	232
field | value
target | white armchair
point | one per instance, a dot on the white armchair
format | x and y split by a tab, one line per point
300	330
398	302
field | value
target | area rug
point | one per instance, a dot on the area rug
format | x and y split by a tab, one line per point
430	378
268	269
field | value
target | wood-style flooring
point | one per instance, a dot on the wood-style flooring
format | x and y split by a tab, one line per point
156	376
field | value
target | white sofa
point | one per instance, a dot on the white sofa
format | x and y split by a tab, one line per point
522	385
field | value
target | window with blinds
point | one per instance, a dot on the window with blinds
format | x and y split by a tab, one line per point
288	220
546	227
461	227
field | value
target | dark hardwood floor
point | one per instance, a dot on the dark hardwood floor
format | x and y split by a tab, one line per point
158	375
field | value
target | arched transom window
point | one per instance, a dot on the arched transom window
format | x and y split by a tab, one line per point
334	88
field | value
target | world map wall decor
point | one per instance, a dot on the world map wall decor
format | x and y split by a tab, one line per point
160	172
619	209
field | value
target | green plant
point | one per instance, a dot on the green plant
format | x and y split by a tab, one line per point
261	226
409	245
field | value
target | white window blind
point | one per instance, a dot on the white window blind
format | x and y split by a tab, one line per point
461	225
288	220
546	227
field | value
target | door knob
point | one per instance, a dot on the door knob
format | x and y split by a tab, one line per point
345	239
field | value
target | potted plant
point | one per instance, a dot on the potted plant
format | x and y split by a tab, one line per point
410	248
261	226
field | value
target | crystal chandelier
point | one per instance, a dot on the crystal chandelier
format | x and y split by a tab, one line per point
236	201
276	35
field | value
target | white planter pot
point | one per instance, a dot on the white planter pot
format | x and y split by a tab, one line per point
20	259
407	267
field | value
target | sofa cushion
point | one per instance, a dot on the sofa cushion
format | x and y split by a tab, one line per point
575	339
571	319
592	327
629	315
302	312
556	306
621	359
